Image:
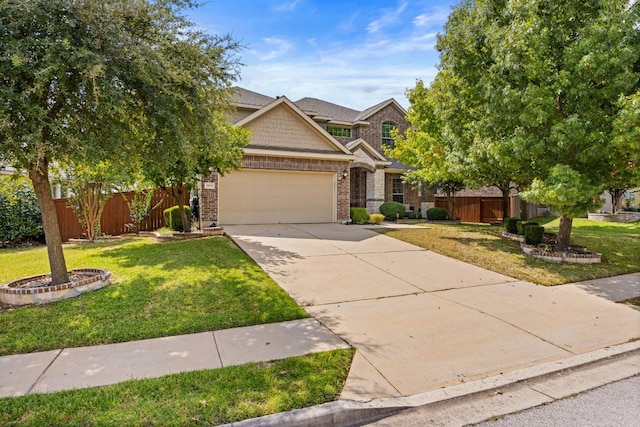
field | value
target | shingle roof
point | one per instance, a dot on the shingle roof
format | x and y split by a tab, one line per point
247	97
327	109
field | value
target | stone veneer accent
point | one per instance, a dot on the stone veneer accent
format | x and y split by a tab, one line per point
209	197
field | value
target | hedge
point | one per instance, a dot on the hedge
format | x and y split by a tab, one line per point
437	214
392	210
173	220
533	234
359	215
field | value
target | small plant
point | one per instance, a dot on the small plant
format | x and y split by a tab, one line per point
437	214
140	207
415	215
359	215
521	225
511	225
533	234
376	218
172	218
392	210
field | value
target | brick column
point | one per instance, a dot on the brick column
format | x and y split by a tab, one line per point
209	199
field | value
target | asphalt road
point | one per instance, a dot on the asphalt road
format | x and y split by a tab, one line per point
615	405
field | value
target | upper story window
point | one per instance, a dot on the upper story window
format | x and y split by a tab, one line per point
339	131
387	139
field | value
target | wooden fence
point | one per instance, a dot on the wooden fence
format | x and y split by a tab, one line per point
115	215
475	209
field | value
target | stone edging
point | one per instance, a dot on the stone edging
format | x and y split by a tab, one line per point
12	294
533	251
588	258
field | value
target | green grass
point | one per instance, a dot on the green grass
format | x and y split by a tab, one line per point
208	397
160	290
480	245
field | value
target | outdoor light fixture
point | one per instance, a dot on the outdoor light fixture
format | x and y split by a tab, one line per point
345	173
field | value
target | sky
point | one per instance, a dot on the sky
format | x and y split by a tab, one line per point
354	53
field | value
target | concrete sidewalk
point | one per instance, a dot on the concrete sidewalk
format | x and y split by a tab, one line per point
100	365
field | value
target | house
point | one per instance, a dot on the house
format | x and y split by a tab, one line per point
308	161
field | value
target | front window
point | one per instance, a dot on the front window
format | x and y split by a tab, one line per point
398	190
339	131
387	139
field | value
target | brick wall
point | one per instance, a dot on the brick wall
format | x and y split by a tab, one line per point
373	133
209	198
411	195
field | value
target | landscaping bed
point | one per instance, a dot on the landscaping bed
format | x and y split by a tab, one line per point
484	246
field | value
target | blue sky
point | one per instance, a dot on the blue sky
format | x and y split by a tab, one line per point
353	53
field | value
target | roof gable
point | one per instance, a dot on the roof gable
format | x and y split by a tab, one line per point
282	125
366	114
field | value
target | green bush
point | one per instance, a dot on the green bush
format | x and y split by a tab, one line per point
415	215
533	234
510	225
392	210
437	214
522	225
173	220
376	218
20	217
359	215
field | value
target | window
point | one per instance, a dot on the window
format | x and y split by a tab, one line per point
387	139
397	190
339	131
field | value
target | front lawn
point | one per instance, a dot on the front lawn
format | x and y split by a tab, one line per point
480	245
160	290
209	397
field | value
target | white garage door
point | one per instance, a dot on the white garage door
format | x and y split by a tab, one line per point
251	196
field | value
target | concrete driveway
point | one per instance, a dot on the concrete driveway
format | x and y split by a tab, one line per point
421	321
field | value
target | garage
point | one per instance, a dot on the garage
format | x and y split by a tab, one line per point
258	196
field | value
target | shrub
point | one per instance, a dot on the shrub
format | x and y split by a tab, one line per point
415	215
522	225
511	225
392	210
376	218
359	215
437	214
172	218
533	234
20	217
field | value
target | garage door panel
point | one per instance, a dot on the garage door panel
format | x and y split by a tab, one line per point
263	197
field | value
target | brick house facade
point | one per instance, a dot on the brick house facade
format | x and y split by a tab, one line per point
308	161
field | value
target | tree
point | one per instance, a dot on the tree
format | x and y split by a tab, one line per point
541	83
89	79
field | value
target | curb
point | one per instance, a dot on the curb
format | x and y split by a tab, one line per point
350	413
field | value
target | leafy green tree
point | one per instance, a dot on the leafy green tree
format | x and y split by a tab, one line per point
20	218
89	79
528	91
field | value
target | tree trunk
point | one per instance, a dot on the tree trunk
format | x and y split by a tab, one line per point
186	222
564	234
505	203
451	204
39	175
524	209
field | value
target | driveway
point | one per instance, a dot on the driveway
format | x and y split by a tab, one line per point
420	320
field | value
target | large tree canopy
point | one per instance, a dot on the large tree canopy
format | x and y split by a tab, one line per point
538	92
84	80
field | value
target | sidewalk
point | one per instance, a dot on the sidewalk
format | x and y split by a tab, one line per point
100	365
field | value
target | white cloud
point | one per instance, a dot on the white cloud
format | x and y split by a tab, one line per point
287	6
279	47
389	17
435	17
